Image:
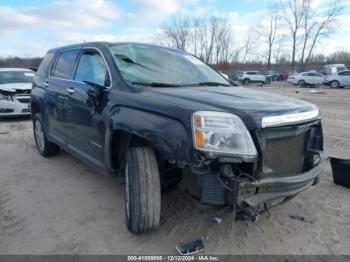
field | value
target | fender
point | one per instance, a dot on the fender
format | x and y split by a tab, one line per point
168	136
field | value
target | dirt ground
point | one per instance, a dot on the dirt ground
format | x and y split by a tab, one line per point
61	206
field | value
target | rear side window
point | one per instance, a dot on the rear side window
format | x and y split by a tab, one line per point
44	65
65	64
344	73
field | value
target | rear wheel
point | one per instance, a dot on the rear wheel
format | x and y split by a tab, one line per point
142	190
45	147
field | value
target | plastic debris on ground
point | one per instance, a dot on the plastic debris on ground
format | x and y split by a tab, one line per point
310	220
341	171
217	220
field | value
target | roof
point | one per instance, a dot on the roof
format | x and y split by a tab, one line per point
334	65
81	45
14	69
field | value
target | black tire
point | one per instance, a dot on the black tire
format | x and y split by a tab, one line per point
142	190
334	84
301	83
44	146
246	81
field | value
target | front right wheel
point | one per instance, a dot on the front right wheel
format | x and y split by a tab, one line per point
301	83
334	84
246	81
142	190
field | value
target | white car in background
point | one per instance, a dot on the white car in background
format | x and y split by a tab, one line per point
306	78
248	77
15	88
339	79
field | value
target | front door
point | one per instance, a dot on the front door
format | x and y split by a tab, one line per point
86	125
345	78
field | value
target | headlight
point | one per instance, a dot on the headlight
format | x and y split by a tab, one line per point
222	133
6	97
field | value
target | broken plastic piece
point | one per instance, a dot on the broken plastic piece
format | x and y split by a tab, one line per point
191	247
304	219
217	220
341	171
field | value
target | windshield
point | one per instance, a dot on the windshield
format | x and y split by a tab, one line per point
12	77
140	63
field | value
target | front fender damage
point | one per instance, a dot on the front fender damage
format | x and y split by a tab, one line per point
169	137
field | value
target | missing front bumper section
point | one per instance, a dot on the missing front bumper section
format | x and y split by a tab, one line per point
271	189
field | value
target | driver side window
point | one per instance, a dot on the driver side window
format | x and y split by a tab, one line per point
92	68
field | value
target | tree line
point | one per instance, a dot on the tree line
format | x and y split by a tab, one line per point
289	32
20	62
286	36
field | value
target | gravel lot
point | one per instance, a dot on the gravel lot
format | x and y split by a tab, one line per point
61	206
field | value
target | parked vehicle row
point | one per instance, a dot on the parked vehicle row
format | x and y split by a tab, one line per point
335	75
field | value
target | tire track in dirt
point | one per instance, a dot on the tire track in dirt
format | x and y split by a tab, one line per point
10	223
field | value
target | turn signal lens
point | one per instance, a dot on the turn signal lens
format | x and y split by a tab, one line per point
199	139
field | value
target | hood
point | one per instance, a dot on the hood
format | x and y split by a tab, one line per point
250	105
15	86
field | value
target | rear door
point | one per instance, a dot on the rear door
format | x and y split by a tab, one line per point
315	78
308	78
56	93
86	126
252	76
260	77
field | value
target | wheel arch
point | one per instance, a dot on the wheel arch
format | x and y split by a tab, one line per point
133	128
35	108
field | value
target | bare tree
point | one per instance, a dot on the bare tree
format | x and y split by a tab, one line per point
316	25
268	31
246	48
293	13
210	40
176	32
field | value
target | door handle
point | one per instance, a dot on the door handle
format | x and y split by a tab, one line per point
70	90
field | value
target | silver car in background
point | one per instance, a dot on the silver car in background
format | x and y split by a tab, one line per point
306	78
15	88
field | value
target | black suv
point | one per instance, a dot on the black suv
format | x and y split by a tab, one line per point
159	115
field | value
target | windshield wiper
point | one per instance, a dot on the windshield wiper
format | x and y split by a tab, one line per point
208	83
154	84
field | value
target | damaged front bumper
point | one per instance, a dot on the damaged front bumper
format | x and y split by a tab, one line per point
19	105
253	194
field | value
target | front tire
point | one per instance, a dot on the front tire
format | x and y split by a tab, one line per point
334	84
142	190
246	81
44	146
301	83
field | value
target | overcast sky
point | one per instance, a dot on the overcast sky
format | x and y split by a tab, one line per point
29	28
